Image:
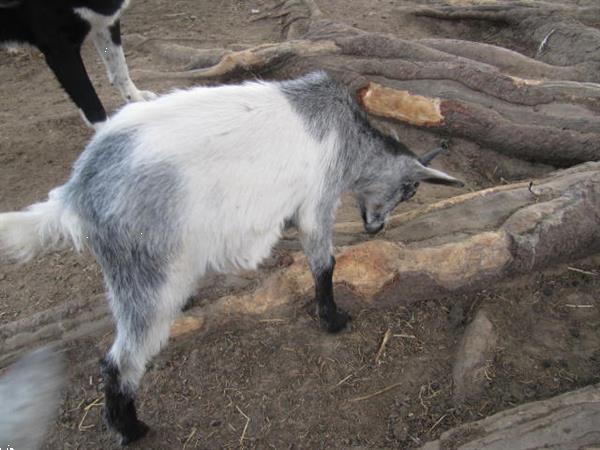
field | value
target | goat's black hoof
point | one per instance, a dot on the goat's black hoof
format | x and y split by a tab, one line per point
138	431
335	322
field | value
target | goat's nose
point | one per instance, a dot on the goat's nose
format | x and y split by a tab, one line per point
373	229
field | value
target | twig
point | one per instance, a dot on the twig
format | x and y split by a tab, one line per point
405	336
374	394
585	272
245	426
421	399
437	423
81	427
542	46
78	406
343	380
189	438
568	305
386	338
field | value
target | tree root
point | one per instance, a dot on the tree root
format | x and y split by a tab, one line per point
481	237
495	97
561	34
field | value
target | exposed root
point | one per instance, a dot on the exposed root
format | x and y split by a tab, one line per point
255	61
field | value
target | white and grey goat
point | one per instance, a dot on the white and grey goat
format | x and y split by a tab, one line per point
204	179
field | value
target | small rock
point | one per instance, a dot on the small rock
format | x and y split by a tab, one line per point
474	351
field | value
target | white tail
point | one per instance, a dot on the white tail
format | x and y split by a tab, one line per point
29	395
42	226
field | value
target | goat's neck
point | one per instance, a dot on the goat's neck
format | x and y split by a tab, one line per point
366	159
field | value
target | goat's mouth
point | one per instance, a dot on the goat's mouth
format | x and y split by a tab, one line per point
374	228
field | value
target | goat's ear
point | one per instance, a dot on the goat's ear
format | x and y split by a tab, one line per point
427	158
429	175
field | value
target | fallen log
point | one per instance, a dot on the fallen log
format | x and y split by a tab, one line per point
460	243
537	109
569	421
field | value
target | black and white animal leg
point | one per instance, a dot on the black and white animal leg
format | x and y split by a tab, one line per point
119	409
108	44
144	301
141	332
66	63
322	264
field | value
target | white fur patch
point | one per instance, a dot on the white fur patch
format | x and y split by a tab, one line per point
14	47
98	21
247	160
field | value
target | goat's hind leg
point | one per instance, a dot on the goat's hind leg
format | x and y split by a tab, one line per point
119	410
138	340
143	324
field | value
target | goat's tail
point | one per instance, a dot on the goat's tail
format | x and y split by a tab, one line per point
29	395
42	226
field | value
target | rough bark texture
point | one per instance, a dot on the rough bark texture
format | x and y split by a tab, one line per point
475	352
526	96
461	243
562	35
568	422
543	108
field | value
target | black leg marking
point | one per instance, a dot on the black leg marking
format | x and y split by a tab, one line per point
66	63
115	32
119	407
332	317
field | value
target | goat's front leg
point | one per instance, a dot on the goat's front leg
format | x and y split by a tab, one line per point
108	44
322	264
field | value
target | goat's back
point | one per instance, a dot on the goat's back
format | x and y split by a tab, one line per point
225	166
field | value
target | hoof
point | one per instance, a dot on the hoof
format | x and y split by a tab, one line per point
335	322
137	432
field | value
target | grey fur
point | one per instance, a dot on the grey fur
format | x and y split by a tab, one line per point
380	170
132	215
29	395
129	217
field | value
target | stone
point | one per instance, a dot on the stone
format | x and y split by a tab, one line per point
475	351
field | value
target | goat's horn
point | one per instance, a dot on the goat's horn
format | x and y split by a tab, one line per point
427	158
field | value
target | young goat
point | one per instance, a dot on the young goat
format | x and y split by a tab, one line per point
58	28
205	179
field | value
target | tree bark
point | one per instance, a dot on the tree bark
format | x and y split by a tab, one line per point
562	35
538	111
567	422
462	243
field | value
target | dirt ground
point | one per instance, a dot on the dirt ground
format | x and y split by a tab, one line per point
279	381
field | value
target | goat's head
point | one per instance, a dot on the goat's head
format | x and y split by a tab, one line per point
394	178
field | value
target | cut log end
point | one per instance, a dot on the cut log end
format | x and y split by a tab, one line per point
400	105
